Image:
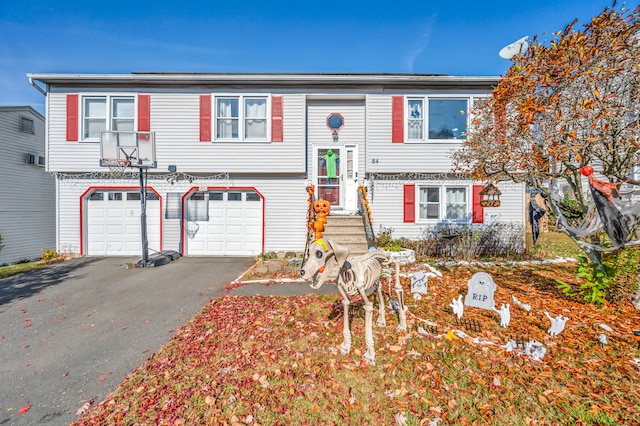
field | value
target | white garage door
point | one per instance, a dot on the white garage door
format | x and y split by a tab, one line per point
114	225
224	223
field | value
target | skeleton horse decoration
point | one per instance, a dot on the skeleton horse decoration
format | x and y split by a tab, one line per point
327	260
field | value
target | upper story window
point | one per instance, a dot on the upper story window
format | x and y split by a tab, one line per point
241	118
437	118
101	113
26	125
438	203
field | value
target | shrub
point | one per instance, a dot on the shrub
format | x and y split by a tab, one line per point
596	281
48	255
459	241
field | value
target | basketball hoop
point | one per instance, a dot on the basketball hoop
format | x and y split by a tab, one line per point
116	166
192	229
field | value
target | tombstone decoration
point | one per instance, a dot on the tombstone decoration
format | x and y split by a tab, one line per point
481	289
419	282
457	306
505	315
557	324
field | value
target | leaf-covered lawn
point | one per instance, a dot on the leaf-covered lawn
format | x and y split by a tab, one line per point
275	360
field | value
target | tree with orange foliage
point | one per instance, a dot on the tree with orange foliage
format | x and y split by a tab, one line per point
570	103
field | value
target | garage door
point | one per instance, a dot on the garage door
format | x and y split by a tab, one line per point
224	223
113	223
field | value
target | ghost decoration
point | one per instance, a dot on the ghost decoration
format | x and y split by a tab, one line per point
505	315
457	306
557	324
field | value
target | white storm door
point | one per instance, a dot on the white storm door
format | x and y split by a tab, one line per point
351	178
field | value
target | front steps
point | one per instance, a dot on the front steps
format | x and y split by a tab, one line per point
348	231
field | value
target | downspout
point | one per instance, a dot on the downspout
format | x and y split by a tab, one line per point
38	88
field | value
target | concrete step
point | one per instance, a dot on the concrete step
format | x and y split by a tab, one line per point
348	231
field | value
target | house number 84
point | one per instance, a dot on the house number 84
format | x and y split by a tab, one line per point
374	161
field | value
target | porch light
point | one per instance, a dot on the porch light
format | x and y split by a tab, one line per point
490	196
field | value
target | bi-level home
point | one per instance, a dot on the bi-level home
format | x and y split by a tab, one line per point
226	159
27	196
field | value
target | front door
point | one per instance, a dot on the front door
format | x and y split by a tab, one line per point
336	172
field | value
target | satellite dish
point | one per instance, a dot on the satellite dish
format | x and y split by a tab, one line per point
511	50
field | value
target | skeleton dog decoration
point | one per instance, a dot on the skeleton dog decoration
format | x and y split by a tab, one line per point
326	260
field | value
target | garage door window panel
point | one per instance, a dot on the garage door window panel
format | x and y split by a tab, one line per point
198	207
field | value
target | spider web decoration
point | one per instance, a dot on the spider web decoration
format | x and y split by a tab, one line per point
617	219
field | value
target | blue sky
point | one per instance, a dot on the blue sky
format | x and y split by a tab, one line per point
420	36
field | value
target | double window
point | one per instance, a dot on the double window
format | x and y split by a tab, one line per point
438	203
100	113
437	118
241	118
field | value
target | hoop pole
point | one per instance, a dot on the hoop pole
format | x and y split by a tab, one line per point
143	218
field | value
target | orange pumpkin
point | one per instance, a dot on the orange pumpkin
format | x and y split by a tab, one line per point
321	206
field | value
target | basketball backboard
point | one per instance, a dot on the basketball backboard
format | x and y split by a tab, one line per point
139	148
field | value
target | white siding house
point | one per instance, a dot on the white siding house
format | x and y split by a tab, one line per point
235	152
27	196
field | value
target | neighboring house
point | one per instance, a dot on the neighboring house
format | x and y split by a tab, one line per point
27	197
235	152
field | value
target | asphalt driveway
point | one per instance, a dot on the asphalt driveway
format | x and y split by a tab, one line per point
72	332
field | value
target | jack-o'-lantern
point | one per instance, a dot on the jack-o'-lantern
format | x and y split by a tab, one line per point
321	206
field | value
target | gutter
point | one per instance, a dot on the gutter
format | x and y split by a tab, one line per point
38	88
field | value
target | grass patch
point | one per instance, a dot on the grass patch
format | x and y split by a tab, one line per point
553	244
10	270
281	364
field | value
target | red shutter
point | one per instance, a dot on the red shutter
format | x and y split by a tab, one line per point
276	119
397	119
477	215
72	117
410	203
205	118
144	115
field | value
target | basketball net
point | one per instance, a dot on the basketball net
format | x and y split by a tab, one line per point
116	166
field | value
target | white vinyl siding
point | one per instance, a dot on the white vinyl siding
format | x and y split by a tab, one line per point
175	122
27	204
352	132
383	156
387	200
